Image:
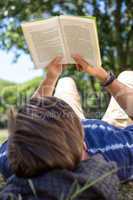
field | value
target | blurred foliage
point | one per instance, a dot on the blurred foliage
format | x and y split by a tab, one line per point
15	95
4	83
114	21
115	29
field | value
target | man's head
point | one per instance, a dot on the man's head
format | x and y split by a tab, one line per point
44	134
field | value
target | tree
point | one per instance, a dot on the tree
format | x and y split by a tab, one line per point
114	20
115	28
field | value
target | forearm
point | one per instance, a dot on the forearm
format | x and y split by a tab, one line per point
46	87
123	95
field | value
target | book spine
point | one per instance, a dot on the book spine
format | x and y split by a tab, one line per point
64	42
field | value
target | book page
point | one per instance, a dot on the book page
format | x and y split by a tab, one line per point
44	40
80	37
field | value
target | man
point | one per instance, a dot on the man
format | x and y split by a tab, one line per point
42	157
114	143
20	148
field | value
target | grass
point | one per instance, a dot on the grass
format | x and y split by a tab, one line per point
126	190
3	135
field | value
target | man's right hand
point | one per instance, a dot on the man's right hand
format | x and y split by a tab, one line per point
122	93
83	65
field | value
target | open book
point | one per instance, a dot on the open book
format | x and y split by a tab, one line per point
62	35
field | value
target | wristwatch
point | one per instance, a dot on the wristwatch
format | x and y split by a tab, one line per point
111	77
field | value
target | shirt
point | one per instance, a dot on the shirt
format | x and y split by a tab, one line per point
115	144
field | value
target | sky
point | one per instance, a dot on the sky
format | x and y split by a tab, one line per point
18	72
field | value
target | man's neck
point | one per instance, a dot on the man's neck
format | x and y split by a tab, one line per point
85	153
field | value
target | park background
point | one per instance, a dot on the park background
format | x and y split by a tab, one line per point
115	30
18	79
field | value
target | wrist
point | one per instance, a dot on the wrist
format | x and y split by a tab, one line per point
103	77
101	74
52	76
110	78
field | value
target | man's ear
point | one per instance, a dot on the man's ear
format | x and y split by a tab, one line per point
11	120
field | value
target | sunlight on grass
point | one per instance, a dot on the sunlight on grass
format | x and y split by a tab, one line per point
3	135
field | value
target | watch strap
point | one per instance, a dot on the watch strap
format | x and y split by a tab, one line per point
111	77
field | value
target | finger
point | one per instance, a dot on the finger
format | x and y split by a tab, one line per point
76	55
80	60
78	67
79	57
88	64
56	60
52	61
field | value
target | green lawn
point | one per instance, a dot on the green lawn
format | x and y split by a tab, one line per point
3	135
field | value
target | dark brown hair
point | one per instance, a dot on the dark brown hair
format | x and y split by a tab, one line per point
44	134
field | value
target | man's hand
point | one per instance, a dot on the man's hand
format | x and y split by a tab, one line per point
55	68
122	93
83	65
47	86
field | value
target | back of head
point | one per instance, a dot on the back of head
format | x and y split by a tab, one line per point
45	134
